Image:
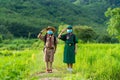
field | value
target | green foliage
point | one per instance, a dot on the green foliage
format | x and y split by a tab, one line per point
22	30
107	39
30	16
94	9
33	15
20	44
114	21
96	62
93	61
85	33
16	60
113	3
5	34
61	27
16	66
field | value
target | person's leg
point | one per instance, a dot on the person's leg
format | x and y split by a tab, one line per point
67	65
46	56
47	65
71	65
51	59
50	67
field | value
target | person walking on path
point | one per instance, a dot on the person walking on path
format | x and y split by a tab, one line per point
50	42
70	46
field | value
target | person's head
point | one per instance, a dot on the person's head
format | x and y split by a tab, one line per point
69	29
50	30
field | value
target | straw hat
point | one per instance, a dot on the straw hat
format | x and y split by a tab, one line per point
52	28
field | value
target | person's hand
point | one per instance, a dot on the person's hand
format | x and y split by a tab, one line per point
43	30
64	30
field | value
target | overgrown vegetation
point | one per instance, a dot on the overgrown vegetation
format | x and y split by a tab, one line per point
21	56
114	22
93	61
25	18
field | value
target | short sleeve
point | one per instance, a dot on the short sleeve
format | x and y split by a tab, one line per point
63	37
42	37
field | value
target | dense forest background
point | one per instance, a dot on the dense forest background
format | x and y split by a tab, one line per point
25	18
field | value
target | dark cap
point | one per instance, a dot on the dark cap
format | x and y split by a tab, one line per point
69	27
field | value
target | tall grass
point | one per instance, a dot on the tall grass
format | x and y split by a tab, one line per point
93	61
98	61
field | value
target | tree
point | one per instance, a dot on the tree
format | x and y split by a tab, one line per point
114	21
4	33
85	33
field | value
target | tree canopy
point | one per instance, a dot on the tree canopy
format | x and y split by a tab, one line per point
30	16
114	21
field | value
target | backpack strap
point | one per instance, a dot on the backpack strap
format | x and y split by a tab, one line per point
45	39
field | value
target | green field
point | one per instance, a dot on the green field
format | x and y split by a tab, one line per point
22	59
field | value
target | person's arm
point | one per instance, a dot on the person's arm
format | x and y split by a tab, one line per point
75	48
75	41
40	36
59	36
56	45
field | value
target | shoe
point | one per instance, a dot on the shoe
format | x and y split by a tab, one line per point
71	70
47	70
50	71
68	69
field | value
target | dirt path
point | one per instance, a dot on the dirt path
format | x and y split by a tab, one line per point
52	78
56	75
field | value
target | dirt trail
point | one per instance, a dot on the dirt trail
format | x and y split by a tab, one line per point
52	78
48	76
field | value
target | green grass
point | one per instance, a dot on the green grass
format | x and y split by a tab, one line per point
93	62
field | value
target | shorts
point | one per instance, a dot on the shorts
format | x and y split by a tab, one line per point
49	55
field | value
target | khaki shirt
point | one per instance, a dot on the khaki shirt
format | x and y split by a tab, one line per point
48	43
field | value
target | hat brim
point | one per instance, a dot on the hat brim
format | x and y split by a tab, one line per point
52	28
69	27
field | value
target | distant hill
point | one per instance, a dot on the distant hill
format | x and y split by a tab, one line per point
52	11
29	16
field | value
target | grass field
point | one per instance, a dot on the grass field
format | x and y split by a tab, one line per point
22	59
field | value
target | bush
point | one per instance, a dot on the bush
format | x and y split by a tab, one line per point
107	39
85	33
4	33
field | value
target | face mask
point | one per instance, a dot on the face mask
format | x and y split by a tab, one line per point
49	32
69	30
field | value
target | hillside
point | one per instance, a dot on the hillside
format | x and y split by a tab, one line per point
50	11
27	17
29	14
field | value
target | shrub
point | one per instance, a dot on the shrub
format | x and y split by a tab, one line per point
107	39
85	33
4	33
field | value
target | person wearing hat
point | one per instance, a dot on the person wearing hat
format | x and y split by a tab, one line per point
70	46
50	42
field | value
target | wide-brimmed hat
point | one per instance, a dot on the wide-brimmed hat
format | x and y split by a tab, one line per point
69	27
52	28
